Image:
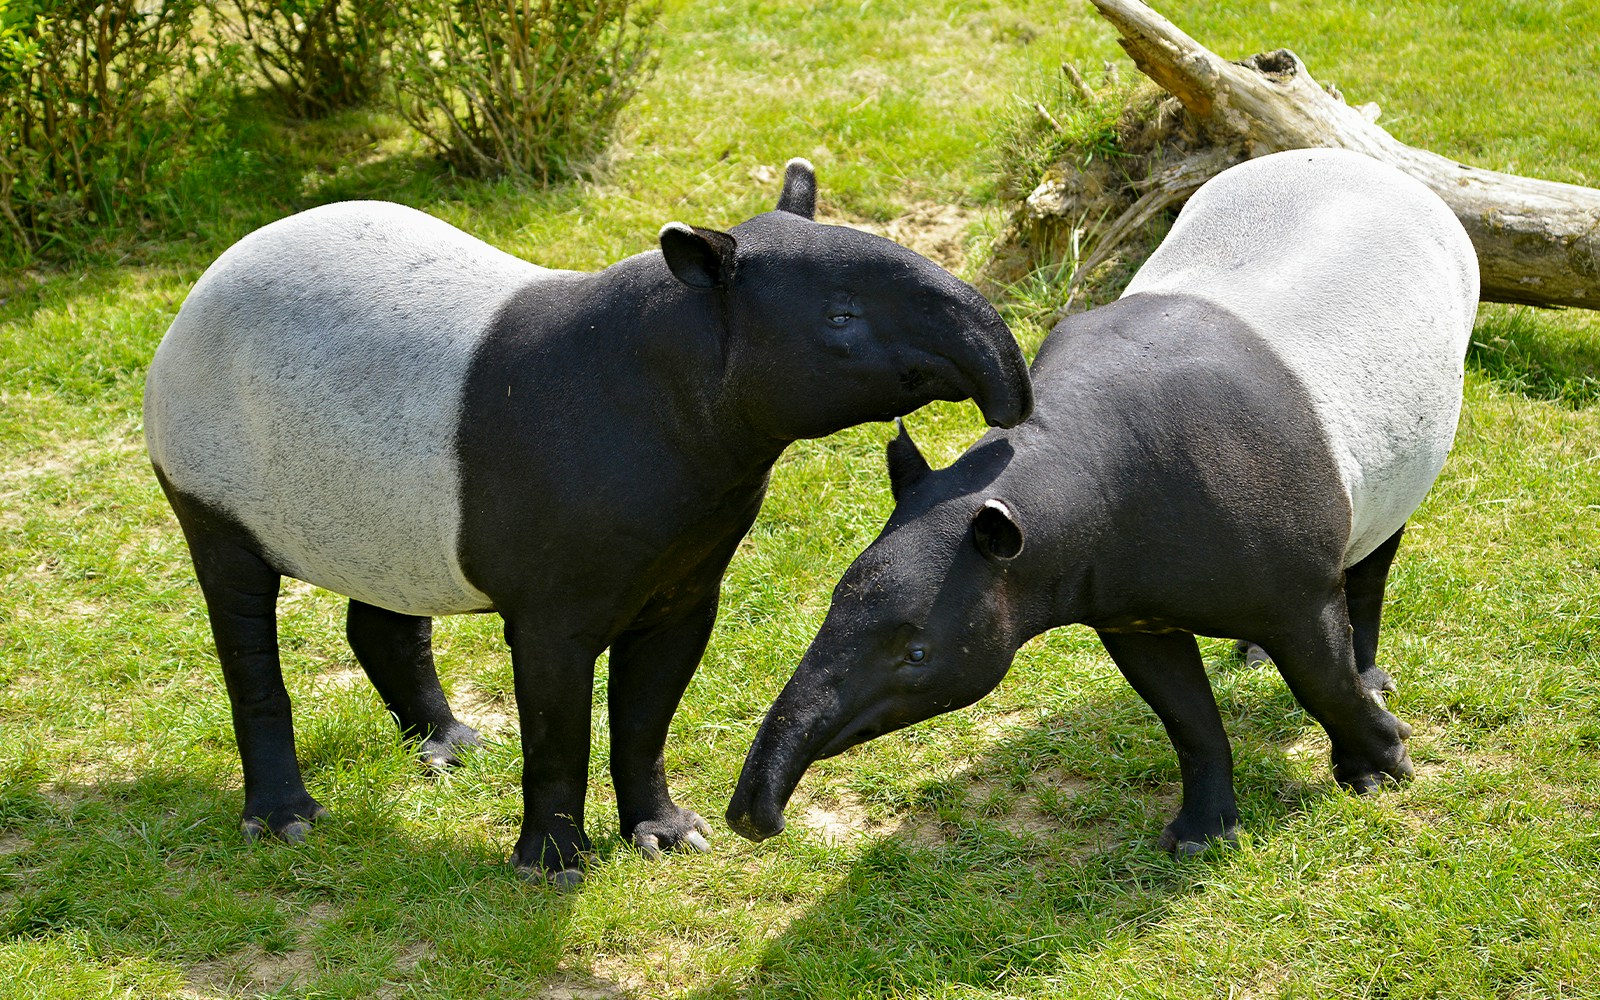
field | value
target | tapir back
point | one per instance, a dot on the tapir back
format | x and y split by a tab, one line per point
1365	285
310	389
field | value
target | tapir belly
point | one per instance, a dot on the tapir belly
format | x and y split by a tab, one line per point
1364	284
311	389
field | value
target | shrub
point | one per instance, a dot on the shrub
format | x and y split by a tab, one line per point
318	56
528	87
99	103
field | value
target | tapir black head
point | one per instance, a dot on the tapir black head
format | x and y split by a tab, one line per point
827	326
924	622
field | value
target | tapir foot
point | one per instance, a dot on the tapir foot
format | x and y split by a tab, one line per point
1251	654
288	821
1367	780
438	752
566	879
685	830
1377	683
542	859
1185	837
1388	765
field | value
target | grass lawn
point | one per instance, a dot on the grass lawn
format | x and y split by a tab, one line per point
1003	851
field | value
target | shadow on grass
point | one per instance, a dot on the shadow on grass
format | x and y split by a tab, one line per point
156	867
1040	855
1530	352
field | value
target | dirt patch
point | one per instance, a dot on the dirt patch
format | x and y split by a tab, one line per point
65	458
572	986
993	727
933	229
652	970
342	678
1027	814
53	465
1311	749
14	843
1428	770
413	955
250	970
253	969
840	820
490	715
1265	982
938	232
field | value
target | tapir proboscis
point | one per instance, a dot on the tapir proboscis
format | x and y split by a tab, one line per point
1232	449
366	398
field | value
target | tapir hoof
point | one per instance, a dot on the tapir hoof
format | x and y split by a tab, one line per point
686	831
1370	777
1379	680
1367	782
1252	655
291	824
1183	840
438	752
564	880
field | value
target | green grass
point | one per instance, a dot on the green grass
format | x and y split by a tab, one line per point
1002	851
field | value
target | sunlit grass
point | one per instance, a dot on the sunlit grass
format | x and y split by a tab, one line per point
1005	850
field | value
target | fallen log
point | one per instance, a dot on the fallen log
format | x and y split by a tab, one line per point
1538	241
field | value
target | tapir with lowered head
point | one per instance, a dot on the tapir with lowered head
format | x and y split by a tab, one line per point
368	399
1232	448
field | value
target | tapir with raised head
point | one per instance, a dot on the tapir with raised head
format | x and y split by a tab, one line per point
366	398
1232	448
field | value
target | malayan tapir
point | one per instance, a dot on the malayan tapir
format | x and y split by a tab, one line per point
366	398
1232	448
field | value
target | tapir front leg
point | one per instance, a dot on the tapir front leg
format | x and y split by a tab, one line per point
1166	670
650	669
554	683
1319	663
241	593
396	651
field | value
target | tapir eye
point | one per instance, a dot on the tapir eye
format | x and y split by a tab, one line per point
840	318
916	654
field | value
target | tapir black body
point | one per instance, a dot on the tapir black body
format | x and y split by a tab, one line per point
368	399
1231	449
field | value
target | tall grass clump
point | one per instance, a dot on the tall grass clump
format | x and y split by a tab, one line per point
1057	119
524	87
318	56
100	107
1070	160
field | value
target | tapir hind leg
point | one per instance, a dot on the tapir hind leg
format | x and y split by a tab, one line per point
396	651
1363	590
241	593
1166	670
650	669
1319	663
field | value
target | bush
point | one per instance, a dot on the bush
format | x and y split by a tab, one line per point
99	103
319	56
528	87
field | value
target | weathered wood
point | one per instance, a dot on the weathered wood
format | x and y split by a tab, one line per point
1538	241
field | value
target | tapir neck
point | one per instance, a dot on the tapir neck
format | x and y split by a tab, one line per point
1068	519
693	393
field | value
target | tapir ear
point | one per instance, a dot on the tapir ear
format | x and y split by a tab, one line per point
700	258
906	464
799	195
995	531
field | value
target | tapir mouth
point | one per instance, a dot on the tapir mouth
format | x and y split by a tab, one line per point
848	736
768	780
